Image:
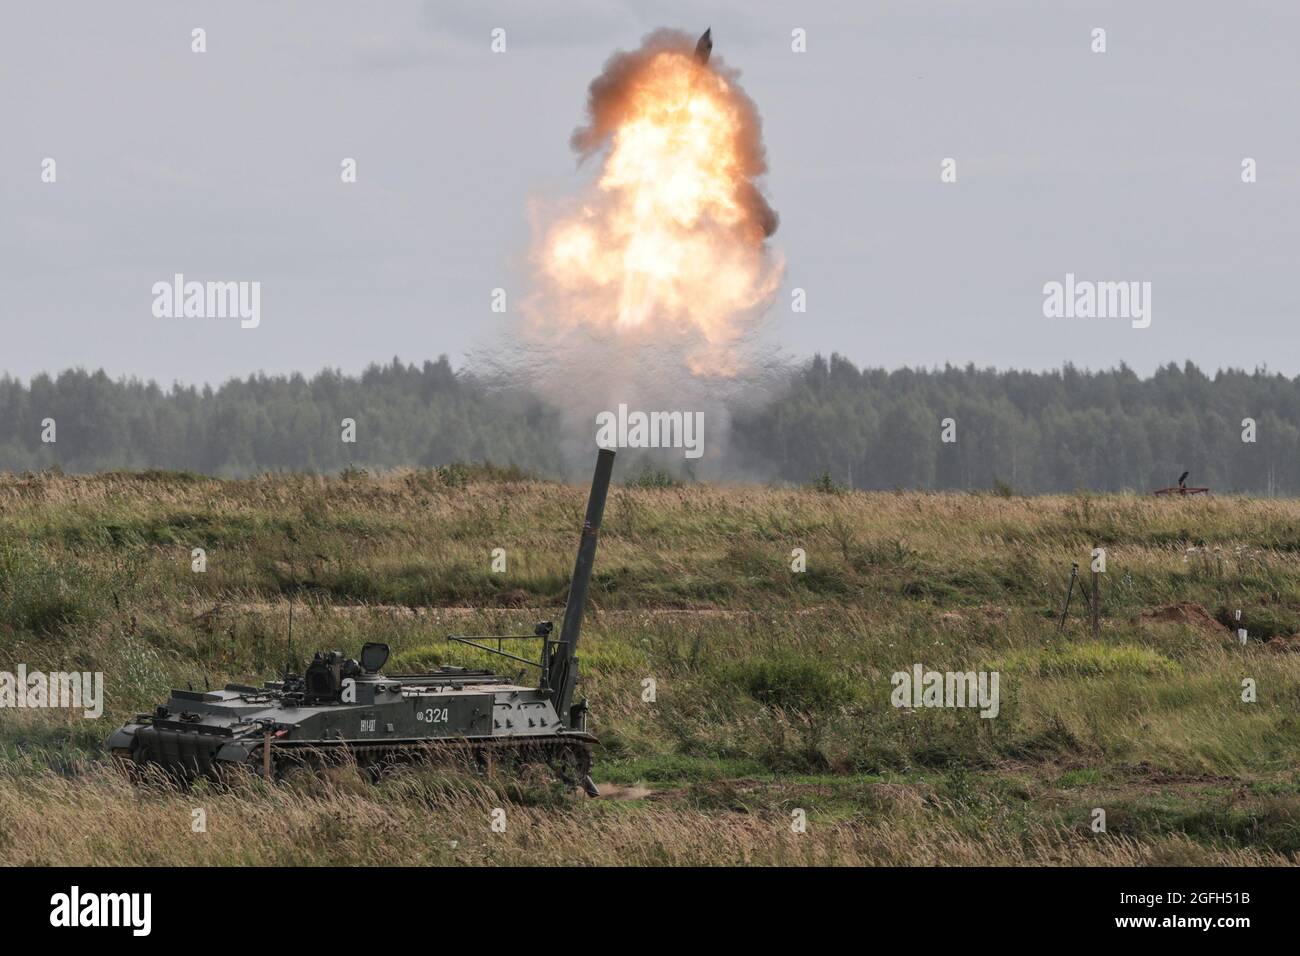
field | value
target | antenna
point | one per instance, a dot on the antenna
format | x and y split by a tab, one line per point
288	660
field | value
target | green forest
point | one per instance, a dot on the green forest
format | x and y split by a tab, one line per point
828	422
1058	431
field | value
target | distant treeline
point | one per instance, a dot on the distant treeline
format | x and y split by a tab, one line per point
419	416
1062	430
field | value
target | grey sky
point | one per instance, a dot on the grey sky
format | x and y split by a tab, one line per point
225	165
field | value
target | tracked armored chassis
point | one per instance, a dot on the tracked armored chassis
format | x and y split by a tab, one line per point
346	709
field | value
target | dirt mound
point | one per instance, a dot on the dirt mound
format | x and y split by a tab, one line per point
1188	613
614	791
1284	645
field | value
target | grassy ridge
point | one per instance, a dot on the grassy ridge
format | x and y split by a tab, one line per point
773	687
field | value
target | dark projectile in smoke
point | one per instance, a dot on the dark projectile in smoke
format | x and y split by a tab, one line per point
705	46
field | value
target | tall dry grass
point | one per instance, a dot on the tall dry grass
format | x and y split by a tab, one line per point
773	686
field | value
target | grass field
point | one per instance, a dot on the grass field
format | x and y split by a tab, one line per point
772	686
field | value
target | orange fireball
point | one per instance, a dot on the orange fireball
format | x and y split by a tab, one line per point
671	242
